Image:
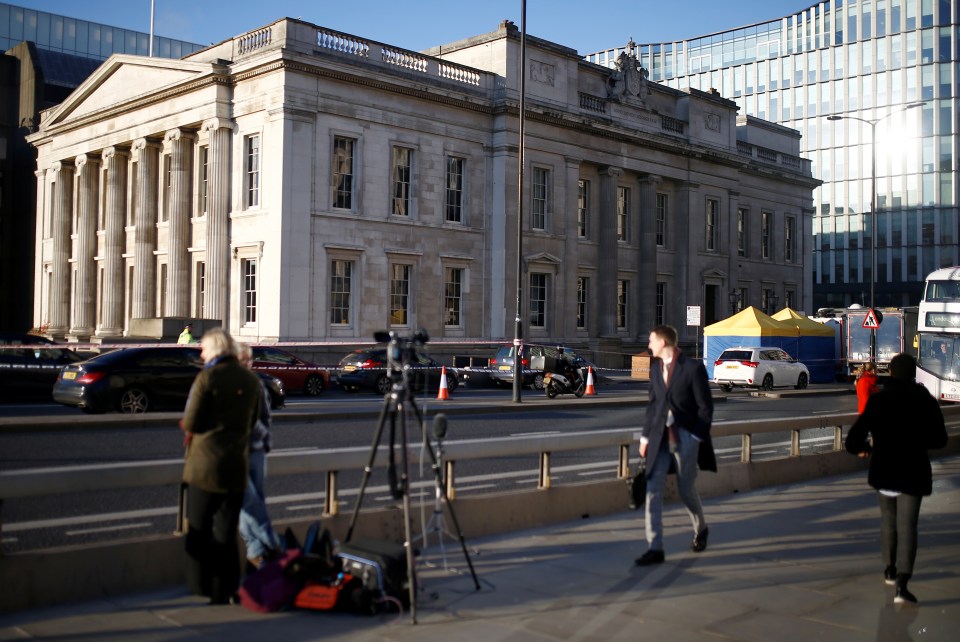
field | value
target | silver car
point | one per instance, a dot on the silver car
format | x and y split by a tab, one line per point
763	367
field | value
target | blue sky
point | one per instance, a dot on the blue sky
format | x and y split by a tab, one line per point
419	24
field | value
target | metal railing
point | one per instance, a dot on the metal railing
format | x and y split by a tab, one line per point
38	482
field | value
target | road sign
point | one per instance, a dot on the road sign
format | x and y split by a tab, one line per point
872	320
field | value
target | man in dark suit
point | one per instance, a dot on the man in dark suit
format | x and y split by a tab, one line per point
677	432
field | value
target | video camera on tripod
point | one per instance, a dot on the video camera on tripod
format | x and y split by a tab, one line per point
401	351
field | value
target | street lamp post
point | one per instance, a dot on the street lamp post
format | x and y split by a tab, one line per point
873	122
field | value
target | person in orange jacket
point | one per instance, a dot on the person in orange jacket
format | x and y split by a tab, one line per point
866	385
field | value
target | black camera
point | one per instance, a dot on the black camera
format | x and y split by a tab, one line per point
401	351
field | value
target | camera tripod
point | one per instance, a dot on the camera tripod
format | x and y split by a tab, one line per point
396	402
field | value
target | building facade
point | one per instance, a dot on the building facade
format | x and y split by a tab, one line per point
858	59
298	183
46	57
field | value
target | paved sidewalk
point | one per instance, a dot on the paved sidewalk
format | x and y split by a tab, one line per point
792	563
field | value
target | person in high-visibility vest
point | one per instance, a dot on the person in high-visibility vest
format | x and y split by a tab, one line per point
187	335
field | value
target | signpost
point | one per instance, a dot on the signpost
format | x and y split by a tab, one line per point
693	319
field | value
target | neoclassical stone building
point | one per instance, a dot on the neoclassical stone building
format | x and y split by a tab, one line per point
300	184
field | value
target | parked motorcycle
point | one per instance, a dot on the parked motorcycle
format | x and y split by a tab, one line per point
575	382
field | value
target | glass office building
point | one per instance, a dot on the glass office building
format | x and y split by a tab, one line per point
861	60
81	37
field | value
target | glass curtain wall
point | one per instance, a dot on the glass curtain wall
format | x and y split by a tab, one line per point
865	59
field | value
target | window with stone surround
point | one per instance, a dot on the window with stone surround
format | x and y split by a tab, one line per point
623	214
402	166
662	203
453	297
743	231
790	239
538	299
540	199
623	302
343	172
583	291
766	224
341	291
661	303
713	225
453	212
248	268
583	208
400	294
252	170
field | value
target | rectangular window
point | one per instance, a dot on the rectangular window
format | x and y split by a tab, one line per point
341	290
768	301
252	155
200	289
661	220
790	299
402	164
766	219
623	214
454	208
541	195
248	268
623	291
342	163
743	227
538	300
660	303
582	290
790	239
713	225
399	294
204	178
453	297
583	207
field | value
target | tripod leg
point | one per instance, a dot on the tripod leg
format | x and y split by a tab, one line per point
407	534
381	422
438	476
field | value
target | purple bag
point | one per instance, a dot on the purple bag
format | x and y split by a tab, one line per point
272	587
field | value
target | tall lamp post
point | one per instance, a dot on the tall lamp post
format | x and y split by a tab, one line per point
518	321
873	122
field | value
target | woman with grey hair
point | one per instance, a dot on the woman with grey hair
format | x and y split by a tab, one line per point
904	421
221	411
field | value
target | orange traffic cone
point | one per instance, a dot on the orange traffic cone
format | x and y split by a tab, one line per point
444	393
590	389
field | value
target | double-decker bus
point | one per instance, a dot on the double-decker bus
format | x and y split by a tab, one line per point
938	328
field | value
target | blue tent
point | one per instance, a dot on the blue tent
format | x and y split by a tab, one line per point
807	341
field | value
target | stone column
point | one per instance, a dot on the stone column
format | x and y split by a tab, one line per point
606	290
218	219
146	153
683	239
88	194
60	265
40	310
647	264
179	208
569	270
116	159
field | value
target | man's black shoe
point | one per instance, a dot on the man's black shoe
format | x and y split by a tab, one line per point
700	540
650	558
890	575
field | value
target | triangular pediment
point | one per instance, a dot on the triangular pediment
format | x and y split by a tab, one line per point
123	78
543	257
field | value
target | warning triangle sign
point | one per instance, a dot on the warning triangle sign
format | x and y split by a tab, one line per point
872	320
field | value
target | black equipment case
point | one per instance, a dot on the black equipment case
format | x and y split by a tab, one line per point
381	566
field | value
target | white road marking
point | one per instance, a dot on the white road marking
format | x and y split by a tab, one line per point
107	529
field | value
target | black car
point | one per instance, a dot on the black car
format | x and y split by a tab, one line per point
135	380
368	369
29	365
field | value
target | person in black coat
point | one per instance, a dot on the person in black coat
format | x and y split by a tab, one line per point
903	421
675	435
